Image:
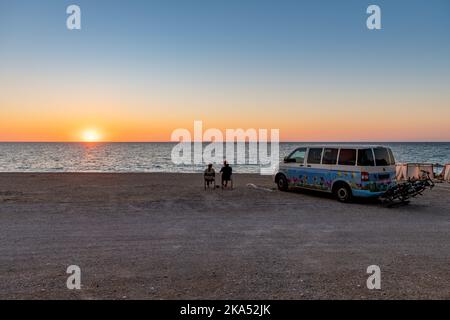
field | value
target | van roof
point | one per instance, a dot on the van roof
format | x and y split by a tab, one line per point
350	146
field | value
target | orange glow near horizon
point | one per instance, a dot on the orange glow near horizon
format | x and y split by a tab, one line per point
328	130
39	117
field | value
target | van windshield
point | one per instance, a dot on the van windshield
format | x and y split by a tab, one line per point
297	156
382	157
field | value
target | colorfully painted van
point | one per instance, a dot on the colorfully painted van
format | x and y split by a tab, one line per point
345	170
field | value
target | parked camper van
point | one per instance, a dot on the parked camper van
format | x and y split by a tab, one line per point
346	170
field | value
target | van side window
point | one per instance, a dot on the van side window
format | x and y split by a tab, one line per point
298	156
382	157
347	157
365	158
314	155
329	156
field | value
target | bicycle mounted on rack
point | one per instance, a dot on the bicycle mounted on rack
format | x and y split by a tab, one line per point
402	192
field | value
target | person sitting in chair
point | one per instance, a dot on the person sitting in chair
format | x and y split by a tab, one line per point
210	176
226	171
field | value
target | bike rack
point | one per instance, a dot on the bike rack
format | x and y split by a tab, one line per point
402	192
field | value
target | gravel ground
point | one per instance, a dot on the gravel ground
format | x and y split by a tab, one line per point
161	236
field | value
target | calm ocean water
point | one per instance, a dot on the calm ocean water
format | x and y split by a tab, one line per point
156	157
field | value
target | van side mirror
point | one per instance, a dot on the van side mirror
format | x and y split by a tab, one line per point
288	160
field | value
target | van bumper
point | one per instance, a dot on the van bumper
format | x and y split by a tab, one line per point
367	193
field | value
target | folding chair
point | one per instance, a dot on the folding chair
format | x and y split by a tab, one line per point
211	178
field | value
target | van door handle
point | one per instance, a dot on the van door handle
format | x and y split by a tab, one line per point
309	166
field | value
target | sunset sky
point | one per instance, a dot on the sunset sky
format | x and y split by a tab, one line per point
137	70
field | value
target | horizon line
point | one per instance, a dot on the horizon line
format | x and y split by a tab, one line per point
284	141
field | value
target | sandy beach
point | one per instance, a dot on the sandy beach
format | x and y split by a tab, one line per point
161	236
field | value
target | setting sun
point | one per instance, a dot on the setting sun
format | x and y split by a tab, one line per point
91	136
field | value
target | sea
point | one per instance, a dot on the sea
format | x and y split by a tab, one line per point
157	157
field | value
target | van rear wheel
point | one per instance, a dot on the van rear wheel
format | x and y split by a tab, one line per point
282	183
343	193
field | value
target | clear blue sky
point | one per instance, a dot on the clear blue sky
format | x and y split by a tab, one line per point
245	55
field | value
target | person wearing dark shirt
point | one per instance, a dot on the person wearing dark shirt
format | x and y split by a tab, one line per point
226	172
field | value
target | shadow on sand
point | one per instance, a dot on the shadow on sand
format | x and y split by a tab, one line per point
355	200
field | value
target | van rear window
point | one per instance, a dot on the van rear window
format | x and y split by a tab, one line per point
365	158
347	157
382	157
392	156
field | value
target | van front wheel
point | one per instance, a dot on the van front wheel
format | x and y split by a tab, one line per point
282	183
343	193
